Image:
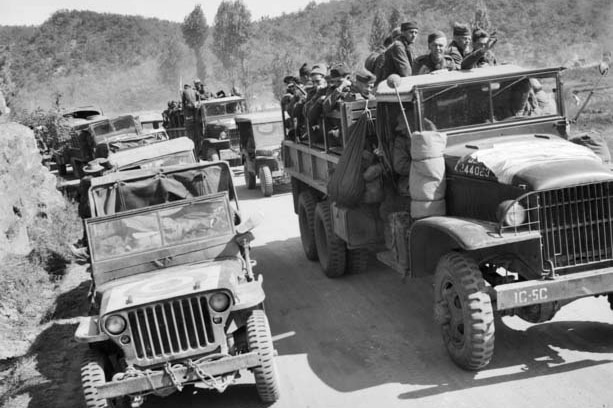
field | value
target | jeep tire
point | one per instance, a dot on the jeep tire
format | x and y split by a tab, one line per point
331	249
94	370
306	221
249	178
265	181
463	309
260	341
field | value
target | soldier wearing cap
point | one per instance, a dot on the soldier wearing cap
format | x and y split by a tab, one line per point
316	95
436	59
482	54
460	46
362	87
340	86
399	58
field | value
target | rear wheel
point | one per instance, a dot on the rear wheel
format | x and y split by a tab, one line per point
331	249
260	341
463	308
249	178
94	369
265	181
357	260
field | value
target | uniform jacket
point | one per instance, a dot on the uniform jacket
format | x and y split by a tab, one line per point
425	65
399	58
456	54
478	59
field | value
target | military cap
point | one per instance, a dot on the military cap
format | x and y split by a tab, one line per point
479	33
411	25
460	29
339	71
365	76
319	69
435	36
197	81
290	79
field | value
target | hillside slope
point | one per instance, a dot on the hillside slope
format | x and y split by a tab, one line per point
127	63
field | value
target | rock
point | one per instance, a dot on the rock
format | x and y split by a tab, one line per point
28	187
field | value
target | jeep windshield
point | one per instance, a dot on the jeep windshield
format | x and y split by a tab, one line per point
268	134
159	227
227	108
498	100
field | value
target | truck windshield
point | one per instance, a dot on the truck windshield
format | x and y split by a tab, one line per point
136	233
114	126
228	108
510	99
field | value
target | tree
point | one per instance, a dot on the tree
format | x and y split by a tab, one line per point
230	37
482	18
346	51
282	64
378	32
394	18
195	31
169	61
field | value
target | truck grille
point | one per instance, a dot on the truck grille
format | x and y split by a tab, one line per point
176	326
576	224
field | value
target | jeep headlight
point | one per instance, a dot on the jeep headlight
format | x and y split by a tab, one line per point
115	324
511	213
223	135
219	302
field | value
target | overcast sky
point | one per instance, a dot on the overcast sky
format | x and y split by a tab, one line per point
35	12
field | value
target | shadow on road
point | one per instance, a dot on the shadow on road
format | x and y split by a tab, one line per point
361	331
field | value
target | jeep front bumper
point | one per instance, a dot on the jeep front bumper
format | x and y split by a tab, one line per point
566	287
158	379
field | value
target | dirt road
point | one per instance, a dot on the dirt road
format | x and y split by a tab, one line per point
369	340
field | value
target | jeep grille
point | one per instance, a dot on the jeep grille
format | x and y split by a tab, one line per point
174	327
576	224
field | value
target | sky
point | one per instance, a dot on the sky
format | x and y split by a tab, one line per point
35	12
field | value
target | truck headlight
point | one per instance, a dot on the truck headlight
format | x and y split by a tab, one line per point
115	324
511	213
219	302
223	135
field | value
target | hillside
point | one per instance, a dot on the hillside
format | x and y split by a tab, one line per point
128	63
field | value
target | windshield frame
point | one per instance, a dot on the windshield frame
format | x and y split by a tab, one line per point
421	96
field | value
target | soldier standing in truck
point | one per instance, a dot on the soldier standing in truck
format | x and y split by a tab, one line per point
399	57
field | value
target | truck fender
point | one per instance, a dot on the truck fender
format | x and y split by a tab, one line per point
88	331
432	237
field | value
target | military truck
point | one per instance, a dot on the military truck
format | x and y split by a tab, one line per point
525	226
175	301
219	133
260	135
99	137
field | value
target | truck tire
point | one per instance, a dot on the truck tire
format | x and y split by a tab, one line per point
93	373
306	221
249	178
260	341
331	250
357	260
265	181
463	308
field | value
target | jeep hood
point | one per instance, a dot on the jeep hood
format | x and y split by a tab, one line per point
173	282
537	162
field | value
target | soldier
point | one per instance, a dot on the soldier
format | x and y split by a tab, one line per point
399	56
316	95
436	59
362	87
378	66
482	54
340	86
460	46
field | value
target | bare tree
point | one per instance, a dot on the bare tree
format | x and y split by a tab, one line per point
395	18
195	31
